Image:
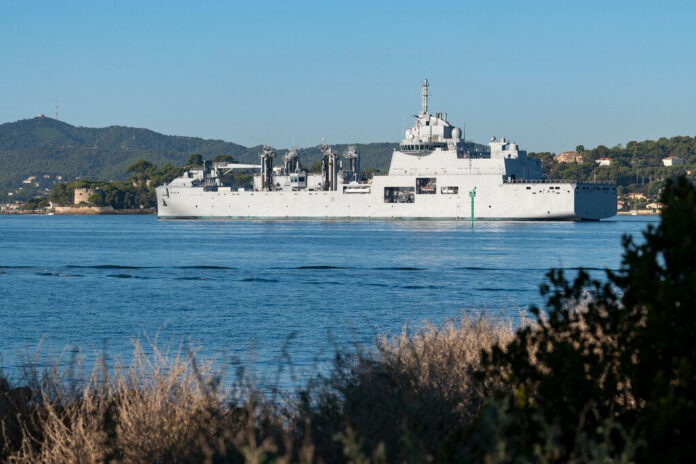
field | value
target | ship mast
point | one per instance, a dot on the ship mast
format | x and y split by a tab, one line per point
424	97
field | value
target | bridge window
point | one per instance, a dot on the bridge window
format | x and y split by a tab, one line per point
426	185
399	195
449	190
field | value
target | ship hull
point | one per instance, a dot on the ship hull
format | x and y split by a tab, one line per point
493	200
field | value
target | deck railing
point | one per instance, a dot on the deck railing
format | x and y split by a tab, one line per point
556	181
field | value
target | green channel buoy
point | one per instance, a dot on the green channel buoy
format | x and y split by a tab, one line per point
472	195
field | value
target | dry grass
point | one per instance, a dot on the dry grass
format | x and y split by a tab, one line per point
411	399
444	357
408	399
160	408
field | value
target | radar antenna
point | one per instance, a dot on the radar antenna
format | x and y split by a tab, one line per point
424	97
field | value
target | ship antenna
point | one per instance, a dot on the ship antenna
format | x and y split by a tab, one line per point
424	97
56	109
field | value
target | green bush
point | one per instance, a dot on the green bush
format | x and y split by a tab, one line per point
608	365
410	400
34	204
97	198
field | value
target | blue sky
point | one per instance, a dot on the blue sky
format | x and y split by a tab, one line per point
547	74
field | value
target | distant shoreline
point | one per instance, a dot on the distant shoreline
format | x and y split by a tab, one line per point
125	212
640	212
67	211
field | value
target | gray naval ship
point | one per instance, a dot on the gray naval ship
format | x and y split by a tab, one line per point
432	176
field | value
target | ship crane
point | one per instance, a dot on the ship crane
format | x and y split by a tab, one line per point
291	161
267	168
329	168
353	158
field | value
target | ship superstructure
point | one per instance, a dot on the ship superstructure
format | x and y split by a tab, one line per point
434	174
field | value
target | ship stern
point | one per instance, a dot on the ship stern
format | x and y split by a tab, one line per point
595	201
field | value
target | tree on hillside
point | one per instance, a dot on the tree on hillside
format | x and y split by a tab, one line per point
34	204
600	151
165	174
62	194
315	167
224	159
547	160
140	166
141	171
194	160
97	198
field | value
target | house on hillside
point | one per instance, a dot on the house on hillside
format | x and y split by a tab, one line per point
672	160
654	206
604	161
569	157
637	196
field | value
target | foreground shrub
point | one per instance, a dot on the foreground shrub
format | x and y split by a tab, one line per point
409	401
609	369
159	409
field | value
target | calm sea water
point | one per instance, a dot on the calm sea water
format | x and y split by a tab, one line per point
249	289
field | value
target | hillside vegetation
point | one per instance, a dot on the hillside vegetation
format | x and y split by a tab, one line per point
44	146
637	167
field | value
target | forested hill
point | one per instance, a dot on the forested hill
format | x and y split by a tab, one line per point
44	146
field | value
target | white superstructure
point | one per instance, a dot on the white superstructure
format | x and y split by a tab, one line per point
432	176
